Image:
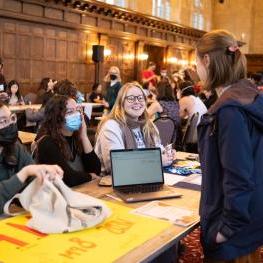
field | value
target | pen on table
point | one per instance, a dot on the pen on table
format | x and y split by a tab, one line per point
113	197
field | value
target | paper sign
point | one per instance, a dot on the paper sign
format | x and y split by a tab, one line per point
119	234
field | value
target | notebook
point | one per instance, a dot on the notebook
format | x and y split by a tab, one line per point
137	175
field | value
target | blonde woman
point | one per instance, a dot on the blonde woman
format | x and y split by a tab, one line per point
128	126
113	85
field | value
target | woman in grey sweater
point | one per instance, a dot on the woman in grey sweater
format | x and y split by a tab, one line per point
16	164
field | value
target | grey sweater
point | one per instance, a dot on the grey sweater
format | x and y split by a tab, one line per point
9	182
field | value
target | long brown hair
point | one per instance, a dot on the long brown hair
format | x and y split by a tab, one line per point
54	119
225	66
118	113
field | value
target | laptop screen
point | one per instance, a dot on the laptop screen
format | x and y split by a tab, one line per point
139	166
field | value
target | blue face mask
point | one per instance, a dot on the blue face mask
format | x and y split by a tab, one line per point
79	97
73	122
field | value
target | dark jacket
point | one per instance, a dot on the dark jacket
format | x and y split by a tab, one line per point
112	92
9	182
231	154
76	171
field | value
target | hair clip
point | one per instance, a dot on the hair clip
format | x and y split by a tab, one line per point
233	48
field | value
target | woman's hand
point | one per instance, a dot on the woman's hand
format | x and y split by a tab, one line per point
83	128
87	147
167	158
41	171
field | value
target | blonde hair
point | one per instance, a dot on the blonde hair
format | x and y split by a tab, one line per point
115	69
225	66
118	113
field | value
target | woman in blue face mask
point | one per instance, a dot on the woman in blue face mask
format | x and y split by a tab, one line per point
62	139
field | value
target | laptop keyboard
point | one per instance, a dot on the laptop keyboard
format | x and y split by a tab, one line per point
140	189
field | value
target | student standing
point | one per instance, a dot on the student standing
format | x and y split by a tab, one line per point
231	146
113	85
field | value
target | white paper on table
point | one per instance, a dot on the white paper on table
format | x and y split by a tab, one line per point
87	109
196	180
171	179
162	210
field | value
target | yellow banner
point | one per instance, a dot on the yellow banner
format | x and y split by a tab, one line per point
120	233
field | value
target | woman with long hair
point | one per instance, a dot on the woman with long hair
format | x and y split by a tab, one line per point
128	126
45	90
113	85
165	104
63	140
231	147
189	103
13	91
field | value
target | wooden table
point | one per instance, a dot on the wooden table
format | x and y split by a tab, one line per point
21	108
26	137
171	236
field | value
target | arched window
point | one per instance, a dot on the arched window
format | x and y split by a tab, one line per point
122	3
162	8
198	20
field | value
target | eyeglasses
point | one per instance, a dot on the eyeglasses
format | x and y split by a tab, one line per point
4	122
132	99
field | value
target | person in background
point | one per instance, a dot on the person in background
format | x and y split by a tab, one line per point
97	97
188	102
16	164
13	91
165	105
66	88
230	146
62	87
113	85
148	75
127	126
45	90
257	79
3	94
63	135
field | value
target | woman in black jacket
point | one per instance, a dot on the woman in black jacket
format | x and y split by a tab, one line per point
63	140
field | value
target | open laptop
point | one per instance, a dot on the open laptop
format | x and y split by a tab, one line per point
137	175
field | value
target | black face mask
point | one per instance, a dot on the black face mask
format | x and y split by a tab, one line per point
8	135
113	77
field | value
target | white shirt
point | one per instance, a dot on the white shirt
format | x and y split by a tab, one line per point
190	105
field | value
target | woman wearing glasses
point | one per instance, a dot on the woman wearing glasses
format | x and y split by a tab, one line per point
128	126
63	140
16	164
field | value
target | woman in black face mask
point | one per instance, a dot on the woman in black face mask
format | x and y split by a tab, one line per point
16	164
113	85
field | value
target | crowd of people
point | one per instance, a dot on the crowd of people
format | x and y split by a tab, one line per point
230	141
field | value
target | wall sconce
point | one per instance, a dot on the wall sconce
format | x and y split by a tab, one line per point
183	62
107	52
128	56
172	60
143	56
